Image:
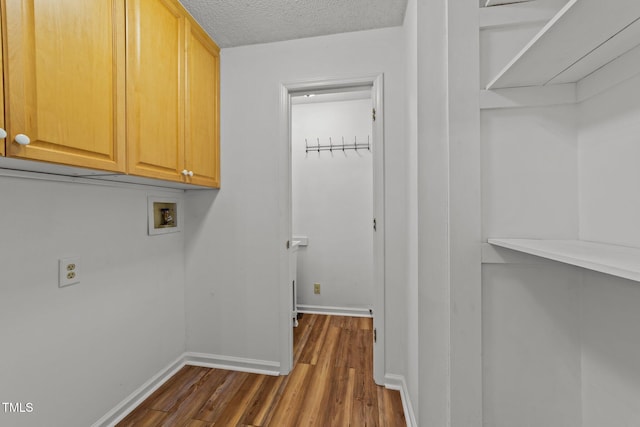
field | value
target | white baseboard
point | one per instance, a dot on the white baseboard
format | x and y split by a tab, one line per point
122	409
230	363
335	311
397	382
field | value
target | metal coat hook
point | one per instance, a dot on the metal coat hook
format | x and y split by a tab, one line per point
330	147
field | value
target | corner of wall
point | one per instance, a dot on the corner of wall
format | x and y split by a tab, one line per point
398	382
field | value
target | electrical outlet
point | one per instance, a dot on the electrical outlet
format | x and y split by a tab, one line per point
316	288
68	271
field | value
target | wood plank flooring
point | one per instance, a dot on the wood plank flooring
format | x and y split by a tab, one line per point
331	385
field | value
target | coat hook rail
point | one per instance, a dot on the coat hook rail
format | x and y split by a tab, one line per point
337	147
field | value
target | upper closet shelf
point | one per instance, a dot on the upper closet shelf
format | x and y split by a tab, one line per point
582	37
618	261
489	3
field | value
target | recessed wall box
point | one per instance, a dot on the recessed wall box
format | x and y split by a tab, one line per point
165	215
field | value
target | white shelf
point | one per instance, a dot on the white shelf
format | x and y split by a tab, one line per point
582	37
618	261
489	3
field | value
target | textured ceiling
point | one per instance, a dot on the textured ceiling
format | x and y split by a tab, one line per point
242	22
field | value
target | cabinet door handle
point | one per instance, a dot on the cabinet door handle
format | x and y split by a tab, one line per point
190	173
185	172
22	139
3	133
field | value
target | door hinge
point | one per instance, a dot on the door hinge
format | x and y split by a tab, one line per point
375	335
373	114
288	244
375	225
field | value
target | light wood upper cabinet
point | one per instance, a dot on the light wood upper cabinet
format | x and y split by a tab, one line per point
65	81
129	86
202	130
172	104
155	105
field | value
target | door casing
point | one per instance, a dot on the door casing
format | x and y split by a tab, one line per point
375	82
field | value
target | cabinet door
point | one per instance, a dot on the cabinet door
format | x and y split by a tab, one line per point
65	81
155	89
202	144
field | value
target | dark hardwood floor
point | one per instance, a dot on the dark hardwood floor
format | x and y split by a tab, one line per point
331	385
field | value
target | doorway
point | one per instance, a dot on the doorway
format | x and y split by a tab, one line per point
332	201
354	151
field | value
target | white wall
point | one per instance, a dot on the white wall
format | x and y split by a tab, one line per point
448	206
530	173
498	45
410	28
332	196
235	243
76	352
609	142
531	348
609	174
530	326
611	350
531	345
560	344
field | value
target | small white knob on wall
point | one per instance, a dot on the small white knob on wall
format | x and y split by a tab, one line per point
3	133
22	139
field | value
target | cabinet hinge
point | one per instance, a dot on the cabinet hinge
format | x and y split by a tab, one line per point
375	225
373	114
288	244
375	335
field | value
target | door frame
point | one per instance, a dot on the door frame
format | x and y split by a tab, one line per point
376	82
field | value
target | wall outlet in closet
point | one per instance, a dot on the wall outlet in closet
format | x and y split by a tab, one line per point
316	288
